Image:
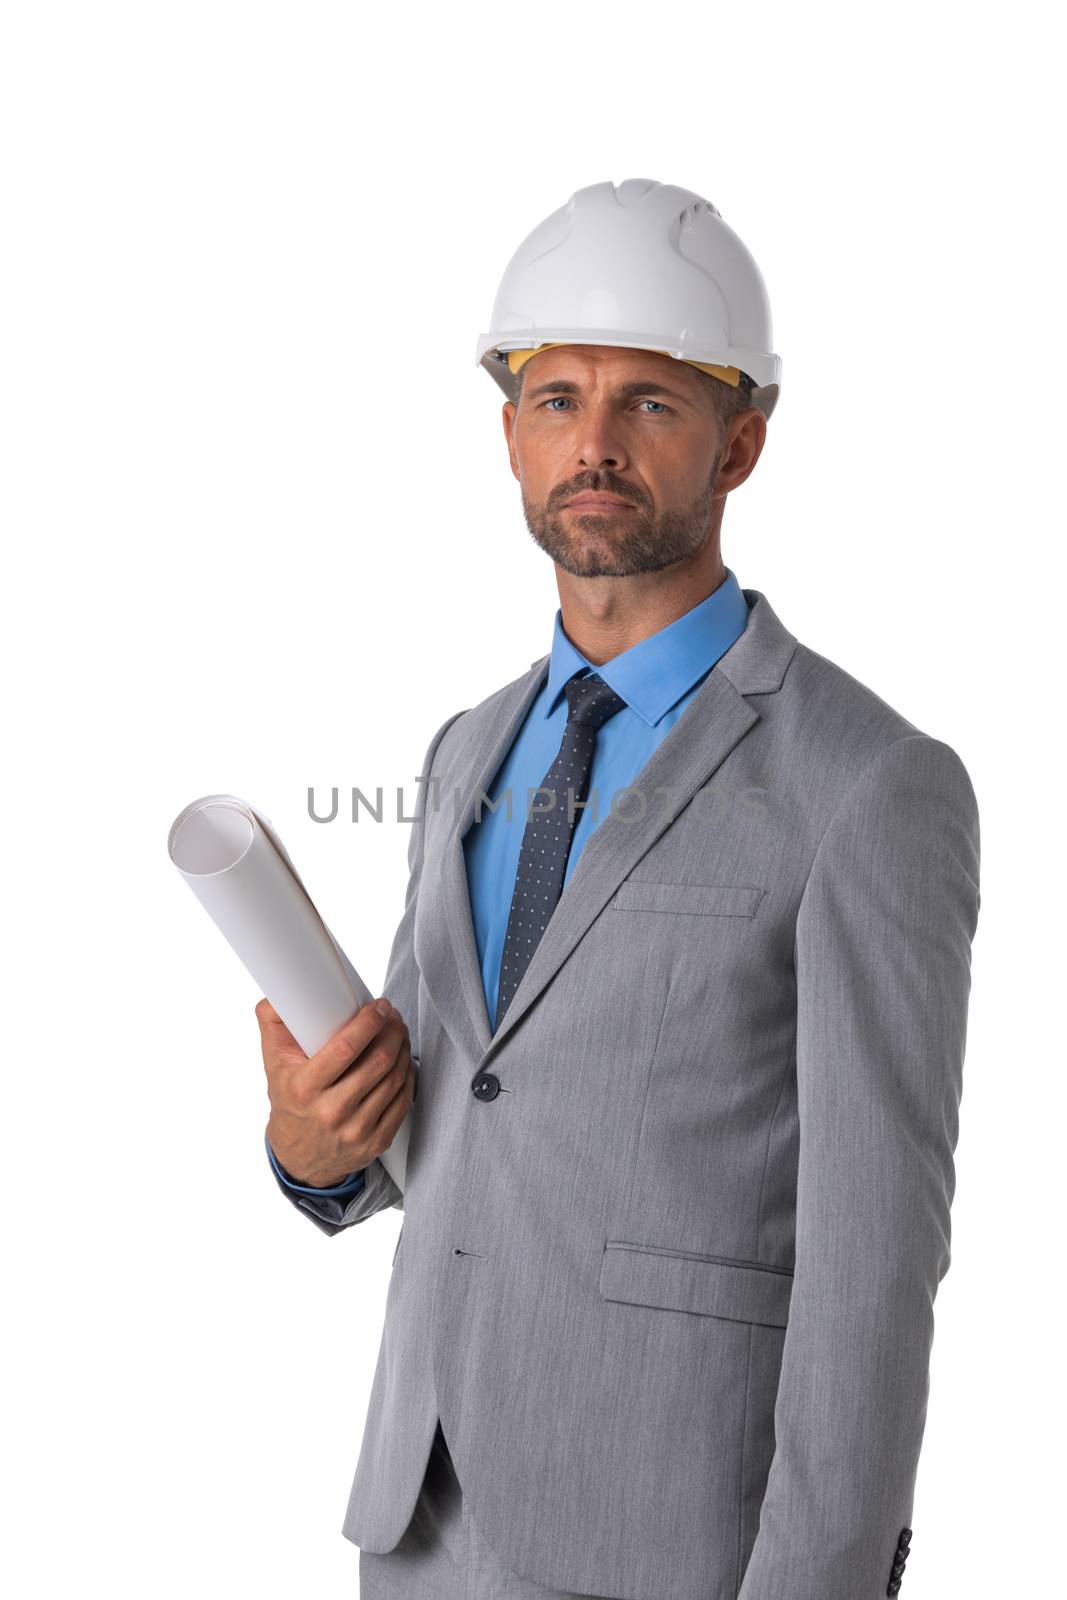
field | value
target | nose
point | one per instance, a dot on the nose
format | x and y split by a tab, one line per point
600	441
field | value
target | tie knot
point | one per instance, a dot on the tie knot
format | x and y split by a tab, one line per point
591	701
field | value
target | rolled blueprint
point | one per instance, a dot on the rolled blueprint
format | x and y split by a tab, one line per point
236	865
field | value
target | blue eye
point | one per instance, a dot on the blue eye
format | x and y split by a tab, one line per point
562	397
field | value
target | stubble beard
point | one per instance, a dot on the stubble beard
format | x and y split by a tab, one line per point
596	544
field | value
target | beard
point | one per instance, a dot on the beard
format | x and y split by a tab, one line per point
597	544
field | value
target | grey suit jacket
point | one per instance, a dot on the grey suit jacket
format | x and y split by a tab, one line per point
670	1290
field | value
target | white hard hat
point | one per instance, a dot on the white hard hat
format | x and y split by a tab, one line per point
638	265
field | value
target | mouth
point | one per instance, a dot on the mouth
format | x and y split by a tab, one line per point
598	502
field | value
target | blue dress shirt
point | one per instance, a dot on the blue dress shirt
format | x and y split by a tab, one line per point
657	678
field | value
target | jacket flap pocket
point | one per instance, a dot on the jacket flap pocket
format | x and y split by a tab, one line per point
699	899
712	1286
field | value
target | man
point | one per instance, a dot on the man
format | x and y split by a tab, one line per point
689	1025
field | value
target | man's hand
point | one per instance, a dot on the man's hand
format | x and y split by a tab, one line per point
333	1112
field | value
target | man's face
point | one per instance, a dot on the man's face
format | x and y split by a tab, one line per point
632	424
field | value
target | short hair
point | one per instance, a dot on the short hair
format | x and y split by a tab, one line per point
728	400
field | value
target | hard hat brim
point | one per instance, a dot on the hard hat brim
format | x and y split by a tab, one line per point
493	357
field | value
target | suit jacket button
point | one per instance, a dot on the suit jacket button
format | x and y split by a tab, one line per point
893	1587
486	1086
905	1537
897	1569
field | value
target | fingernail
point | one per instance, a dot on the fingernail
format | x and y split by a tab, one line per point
383	1008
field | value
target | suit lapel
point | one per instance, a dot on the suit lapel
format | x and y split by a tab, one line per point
453	974
715	720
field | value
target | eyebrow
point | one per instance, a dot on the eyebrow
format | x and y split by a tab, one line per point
626	391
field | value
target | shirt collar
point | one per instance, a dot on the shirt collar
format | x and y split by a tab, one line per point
656	672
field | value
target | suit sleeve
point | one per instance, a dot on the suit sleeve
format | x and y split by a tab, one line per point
882	958
332	1213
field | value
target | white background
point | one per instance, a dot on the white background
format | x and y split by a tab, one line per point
262	533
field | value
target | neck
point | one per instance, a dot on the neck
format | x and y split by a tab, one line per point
603	616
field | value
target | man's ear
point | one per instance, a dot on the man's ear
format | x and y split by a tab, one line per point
507	416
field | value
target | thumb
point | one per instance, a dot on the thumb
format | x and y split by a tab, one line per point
275	1035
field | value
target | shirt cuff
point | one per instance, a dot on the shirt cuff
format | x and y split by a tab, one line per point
342	1191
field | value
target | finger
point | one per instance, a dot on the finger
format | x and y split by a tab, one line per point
370	1083
395	1105
330	1063
398	1107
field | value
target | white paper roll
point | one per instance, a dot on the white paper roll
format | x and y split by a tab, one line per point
236	865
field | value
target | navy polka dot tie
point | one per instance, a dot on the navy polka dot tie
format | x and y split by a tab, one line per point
549	833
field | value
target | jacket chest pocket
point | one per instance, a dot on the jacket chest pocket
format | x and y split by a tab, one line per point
688	899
